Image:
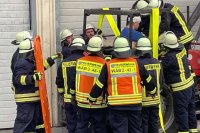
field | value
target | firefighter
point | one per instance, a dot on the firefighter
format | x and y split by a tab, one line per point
66	37
29	115
87	71
89	32
123	75
136	35
21	36
178	75
66	79
144	25
174	21
150	109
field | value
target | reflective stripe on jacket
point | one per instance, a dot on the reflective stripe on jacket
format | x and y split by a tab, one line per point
154	69
87	72
187	35
65	66
176	69
176	23
124	82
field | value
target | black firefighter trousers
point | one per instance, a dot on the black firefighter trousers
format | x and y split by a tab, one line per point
29	118
184	110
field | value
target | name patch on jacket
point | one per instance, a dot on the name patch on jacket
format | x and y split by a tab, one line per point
69	64
123	68
152	66
89	67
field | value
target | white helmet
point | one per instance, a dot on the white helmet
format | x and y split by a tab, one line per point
78	40
170	40
141	5
155	3
137	19
95	44
121	48
26	46
21	36
143	44
65	33
89	26
77	44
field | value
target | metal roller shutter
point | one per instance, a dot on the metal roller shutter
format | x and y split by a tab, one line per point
14	17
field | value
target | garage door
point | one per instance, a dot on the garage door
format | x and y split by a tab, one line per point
14	17
71	12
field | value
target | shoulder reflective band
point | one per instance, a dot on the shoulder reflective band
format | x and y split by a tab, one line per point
179	57
111	22
65	65
100	21
182	23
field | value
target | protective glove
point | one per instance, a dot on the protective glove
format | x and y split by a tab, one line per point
37	76
55	56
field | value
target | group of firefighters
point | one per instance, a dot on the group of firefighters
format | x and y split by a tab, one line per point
119	94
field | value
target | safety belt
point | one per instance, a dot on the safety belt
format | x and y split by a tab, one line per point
153	36
111	22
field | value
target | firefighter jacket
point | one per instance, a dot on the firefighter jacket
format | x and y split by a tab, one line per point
176	69
123	78
154	68
66	75
13	61
26	89
175	21
65	51
87	72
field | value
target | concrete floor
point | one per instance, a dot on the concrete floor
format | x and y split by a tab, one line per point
63	130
